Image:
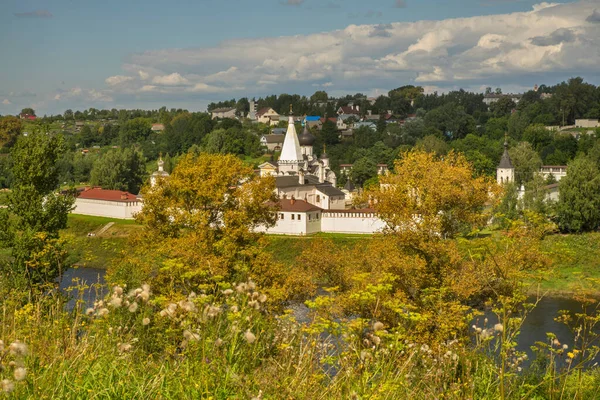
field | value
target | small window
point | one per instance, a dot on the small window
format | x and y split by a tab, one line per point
292	216
318	198
299	217
281	216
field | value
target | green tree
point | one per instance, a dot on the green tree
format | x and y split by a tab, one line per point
433	144
578	207
35	214
329	133
538	136
362	170
135	130
525	161
534	198
28	111
119	169
10	129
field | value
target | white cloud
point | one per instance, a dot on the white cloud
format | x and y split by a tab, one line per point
6	102
173	79
118	80
467	52
84	95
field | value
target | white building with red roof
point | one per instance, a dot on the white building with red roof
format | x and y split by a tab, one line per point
107	203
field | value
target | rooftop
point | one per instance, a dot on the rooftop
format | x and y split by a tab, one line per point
297	206
97	193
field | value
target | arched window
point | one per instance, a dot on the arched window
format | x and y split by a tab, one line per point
318	198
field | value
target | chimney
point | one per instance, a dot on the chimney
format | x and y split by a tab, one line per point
357	107
292	201
123	196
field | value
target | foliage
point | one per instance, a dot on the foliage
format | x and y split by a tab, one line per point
578	207
525	161
10	129
362	170
200	224
35	214
119	169
430	196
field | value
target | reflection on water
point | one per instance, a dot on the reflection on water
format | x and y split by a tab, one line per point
83	276
540	321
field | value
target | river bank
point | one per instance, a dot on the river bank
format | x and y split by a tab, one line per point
575	258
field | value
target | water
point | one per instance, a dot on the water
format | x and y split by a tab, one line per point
83	276
539	321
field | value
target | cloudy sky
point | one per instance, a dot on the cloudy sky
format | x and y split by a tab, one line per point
59	54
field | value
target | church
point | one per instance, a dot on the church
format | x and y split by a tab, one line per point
300	175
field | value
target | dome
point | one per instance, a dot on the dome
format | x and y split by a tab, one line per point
306	138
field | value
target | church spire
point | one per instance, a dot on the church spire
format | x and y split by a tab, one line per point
291	152
505	172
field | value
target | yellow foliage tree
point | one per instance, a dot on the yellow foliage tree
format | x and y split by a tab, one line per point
199	226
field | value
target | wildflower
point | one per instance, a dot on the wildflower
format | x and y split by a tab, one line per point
262	298
191	336
145	321
144	296
227	292
555	342
234	309
365	355
123	347
20	373
213	311
7	386
89	312
519	369
424	348
253	303
249	336
133	307
565	346
116	301
570	355
485	321
378	326
478	330
499	328
254	295
1	346
118	290
241	288
146	288
18	349
474	327
376	340
102	312
138	291
188	306
251	285
259	397
218	342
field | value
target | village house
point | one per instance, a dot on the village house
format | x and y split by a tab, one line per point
267	116
27	117
272	142
313	121
226	112
353	110
158	127
491	98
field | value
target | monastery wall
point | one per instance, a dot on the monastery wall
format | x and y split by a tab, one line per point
109	209
350	222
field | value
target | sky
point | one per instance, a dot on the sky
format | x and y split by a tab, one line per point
77	54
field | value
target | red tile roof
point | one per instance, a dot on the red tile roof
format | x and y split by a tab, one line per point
107	195
349	110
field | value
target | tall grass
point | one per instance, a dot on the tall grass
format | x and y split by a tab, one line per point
225	343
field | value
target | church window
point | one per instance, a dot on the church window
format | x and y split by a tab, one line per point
281	216
293	216
318	198
299	217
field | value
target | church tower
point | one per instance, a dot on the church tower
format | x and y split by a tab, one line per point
291	159
161	173
505	172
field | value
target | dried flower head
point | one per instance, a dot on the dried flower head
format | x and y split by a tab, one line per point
378	326
102	312
7	386
133	307
262	298
218	342
118	290
249	336
227	292
499	328
565	346
115	301
89	312
20	373
146	321
17	348
123	347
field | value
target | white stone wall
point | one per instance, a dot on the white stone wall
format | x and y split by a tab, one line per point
289	226
504	175
109	209
350	222
587	123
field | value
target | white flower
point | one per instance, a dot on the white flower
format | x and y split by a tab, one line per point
249	336
378	326
20	373
7	386
102	312
146	321
116	301
118	290
89	312
499	328
565	346
227	292
262	298
18	349
133	307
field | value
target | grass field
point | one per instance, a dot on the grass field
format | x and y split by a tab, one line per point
576	258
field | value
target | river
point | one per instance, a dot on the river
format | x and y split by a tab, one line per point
539	321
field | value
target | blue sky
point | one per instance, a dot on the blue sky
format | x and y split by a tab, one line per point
130	53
